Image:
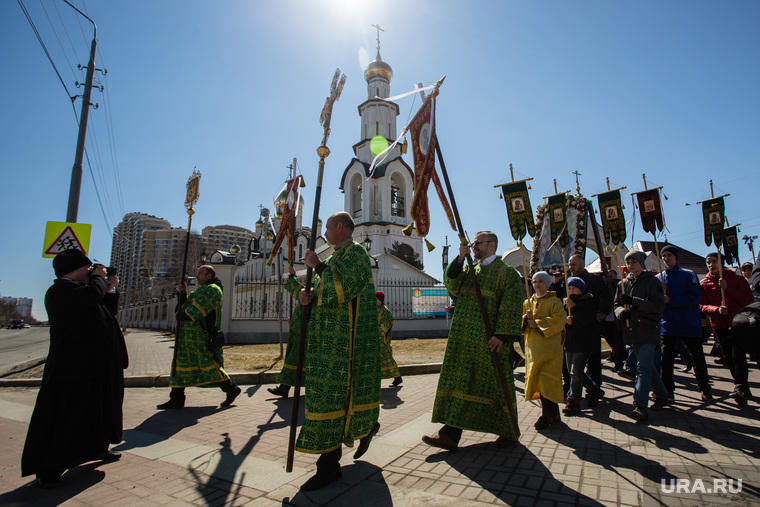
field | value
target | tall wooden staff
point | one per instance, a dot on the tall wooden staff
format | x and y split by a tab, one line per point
610	229
708	235
478	294
519	241
323	151
193	184
559	236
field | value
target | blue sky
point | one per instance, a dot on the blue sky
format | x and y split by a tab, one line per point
608	89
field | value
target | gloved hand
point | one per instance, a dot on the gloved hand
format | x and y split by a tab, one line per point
626	299
625	314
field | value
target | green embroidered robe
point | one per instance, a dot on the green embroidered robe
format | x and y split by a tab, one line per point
194	365
388	366
287	375
342	354
469	394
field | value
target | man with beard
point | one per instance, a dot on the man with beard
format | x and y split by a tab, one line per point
469	394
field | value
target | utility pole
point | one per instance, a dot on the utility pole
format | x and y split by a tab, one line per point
76	171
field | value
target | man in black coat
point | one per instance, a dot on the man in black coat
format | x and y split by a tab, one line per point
79	406
596	286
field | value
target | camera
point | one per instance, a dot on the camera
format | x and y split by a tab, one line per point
110	270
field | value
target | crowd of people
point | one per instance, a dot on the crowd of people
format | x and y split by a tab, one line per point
647	320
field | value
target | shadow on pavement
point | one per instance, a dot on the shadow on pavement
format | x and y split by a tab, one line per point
362	484
389	398
526	481
75	481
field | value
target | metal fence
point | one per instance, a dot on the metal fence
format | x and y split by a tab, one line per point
260	299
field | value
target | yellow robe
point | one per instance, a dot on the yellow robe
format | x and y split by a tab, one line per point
543	348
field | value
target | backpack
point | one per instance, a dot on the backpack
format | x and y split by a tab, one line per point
746	324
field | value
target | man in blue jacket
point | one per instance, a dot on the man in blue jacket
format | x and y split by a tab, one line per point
681	320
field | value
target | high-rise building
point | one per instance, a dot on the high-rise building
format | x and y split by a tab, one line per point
224	237
127	248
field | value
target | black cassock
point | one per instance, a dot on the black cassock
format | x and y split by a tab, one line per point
78	410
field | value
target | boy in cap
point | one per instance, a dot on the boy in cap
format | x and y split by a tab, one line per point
639	301
579	343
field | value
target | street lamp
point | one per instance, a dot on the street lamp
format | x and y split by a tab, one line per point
204	257
367	243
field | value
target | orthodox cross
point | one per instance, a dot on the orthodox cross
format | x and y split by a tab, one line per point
324	118
577	181
378	35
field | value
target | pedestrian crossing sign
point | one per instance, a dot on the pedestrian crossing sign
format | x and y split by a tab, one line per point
60	236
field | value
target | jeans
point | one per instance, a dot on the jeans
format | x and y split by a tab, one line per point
646	377
576	362
734	356
694	345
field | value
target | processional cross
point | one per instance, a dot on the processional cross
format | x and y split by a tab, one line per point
324	118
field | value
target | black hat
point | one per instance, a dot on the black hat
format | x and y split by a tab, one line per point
69	260
671	249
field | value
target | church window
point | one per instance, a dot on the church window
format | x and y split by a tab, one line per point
397	202
377	128
356	196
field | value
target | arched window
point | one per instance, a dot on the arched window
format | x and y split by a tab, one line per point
356	195
398	208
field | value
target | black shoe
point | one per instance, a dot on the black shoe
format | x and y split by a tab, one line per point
396	381
320	480
545	422
687	369
49	480
659	404
365	441
172	403
231	395
739	396
639	414
707	396
110	456
627	375
281	390
592	400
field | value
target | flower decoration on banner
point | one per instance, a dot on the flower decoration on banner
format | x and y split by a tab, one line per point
576	227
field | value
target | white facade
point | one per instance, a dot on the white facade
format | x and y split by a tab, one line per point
379	202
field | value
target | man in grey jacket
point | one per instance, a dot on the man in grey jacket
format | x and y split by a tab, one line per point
639	301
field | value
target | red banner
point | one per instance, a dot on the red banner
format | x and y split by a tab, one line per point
290	208
650	210
424	142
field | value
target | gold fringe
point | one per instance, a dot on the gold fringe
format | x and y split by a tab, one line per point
408	229
429	245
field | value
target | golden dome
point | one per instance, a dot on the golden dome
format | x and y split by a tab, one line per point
378	68
235	249
259	224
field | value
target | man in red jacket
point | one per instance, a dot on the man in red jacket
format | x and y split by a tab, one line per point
722	298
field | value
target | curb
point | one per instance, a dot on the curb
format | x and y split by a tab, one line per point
249	378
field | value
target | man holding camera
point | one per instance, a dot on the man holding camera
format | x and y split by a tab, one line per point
78	412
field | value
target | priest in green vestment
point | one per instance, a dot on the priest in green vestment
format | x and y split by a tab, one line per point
194	364
470	395
342	363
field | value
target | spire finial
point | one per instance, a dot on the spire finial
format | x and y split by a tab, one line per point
378	38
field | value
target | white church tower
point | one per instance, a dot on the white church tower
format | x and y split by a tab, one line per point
379	203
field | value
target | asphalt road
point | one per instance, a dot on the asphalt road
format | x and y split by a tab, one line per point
22	345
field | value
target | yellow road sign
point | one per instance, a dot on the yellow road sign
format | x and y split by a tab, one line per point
60	236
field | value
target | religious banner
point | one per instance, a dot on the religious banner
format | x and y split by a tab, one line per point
557	218
445	257
731	245
424	141
289	212
613	220
712	213
519	211
544	256
650	210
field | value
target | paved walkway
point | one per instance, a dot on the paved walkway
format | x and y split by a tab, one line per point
206	455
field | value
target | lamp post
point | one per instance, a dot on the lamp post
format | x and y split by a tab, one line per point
204	257
367	243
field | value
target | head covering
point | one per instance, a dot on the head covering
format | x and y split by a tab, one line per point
543	275
637	256
577	282
381	296
69	260
715	254
671	249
